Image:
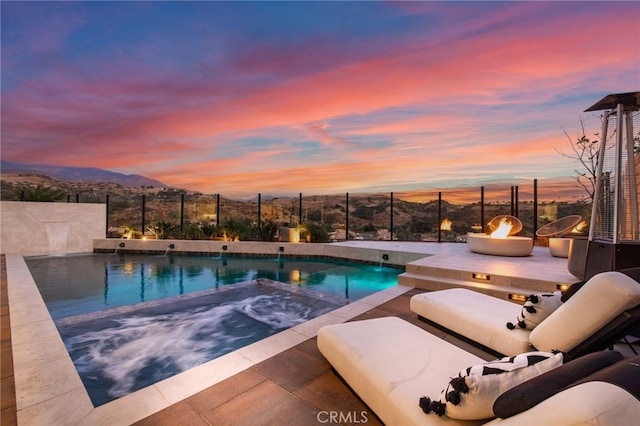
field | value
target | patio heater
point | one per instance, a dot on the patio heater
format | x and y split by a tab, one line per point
614	234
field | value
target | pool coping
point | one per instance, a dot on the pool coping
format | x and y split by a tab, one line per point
49	389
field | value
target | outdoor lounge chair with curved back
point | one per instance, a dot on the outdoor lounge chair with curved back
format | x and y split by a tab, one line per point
560	227
602	311
392	365
557	231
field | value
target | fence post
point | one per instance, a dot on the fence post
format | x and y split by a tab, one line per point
439	216
535	209
347	217
106	226
482	209
218	209
391	218
259	210
300	209
512	209
182	212
144	211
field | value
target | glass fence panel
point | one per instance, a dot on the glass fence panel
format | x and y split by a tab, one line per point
369	217
204	209
282	211
421	215
330	212
162	214
237	218
124	212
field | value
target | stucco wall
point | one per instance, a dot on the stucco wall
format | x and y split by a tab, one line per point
33	229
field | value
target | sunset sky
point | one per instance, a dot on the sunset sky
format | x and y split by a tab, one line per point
278	98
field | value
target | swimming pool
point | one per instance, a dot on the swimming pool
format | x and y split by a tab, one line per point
80	284
129	321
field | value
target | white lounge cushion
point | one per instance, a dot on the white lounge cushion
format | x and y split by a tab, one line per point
471	394
477	316
600	300
536	309
596	403
532	392
391	363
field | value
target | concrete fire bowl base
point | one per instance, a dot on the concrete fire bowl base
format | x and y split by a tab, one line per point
559	247
510	246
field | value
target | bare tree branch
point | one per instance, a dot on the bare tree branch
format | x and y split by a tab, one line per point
586	152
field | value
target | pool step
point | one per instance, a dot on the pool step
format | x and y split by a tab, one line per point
503	287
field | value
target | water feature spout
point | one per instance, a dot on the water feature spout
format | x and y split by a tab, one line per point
280	250
384	258
224	248
171	246
118	248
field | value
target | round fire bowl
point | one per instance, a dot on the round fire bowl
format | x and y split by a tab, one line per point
510	246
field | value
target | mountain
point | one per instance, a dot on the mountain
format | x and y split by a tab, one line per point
81	174
267	198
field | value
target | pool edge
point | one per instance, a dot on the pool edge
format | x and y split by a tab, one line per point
58	395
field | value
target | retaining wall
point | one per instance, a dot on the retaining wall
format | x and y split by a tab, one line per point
33	229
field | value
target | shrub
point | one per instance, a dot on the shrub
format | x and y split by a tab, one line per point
266	231
314	232
131	233
192	232
237	230
161	230
38	193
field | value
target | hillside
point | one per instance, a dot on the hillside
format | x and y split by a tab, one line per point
368	213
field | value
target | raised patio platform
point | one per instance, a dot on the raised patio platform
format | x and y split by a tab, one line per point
454	265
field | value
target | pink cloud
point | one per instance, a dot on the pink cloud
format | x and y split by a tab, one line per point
188	131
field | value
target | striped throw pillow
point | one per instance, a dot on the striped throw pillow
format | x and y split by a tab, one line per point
471	394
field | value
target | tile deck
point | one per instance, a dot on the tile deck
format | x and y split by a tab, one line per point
7	382
284	379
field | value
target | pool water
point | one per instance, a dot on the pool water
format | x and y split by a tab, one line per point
129	321
120	353
73	285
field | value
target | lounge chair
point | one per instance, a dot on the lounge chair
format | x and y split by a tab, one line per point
560	227
602	311
392	364
556	232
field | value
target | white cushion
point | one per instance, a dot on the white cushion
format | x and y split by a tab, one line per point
484	383
536	308
477	316
391	363
596	403
600	300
